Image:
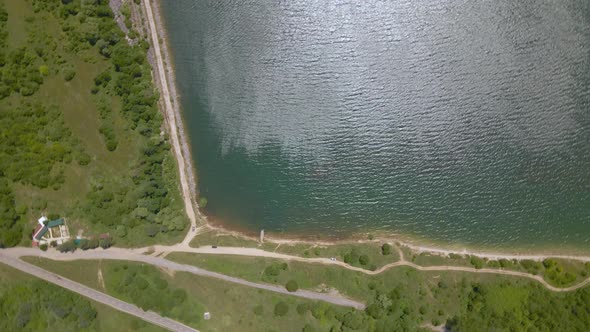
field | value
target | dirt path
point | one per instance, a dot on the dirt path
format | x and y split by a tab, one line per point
173	119
255	252
130	255
93	294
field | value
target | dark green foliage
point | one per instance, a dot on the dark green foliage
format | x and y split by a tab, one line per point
41	139
307	328
539	311
105	243
84	244
292	286
477	262
145	287
531	266
31	304
93	243
386	249
68	246
352	257
302	308
10	229
364	259
281	309
272	271
35	143
353	320
43	247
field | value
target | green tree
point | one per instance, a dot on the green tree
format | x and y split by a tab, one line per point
386	249
292	286
281	309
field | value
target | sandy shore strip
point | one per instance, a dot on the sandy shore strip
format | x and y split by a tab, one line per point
170	105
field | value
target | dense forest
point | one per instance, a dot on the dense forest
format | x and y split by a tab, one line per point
37	147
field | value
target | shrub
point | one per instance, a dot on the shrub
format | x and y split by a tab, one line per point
93	243
386	249
364	259
105	243
44	70
307	328
84	244
302	308
67	246
316	251
69	74
203	202
53	244
352	320
281	309
43	247
476	262
292	286
83	159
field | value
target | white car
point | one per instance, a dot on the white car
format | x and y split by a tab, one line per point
333	259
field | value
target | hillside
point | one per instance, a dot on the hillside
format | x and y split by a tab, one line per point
81	135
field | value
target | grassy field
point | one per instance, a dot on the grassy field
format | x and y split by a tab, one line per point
232	307
128	186
398	298
107	319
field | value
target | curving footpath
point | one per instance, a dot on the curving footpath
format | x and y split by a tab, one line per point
402	262
95	295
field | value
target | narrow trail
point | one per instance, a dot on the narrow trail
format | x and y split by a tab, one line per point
173	119
255	252
148	316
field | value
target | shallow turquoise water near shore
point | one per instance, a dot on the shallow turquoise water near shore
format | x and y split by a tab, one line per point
454	122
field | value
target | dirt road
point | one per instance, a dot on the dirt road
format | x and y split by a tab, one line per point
254	252
173	119
95	295
130	255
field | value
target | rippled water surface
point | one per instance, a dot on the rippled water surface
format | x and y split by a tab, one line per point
453	121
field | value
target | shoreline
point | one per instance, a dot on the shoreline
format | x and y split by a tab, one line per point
171	110
163	75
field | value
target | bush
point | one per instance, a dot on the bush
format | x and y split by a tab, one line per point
281	309
83	159
292	286
386	249
105	243
476	262
84	245
203	202
93	243
67	246
307	328
43	247
69	74
364	259
302	308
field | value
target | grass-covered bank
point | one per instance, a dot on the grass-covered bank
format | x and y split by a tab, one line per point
81	133
30	304
185	297
402	295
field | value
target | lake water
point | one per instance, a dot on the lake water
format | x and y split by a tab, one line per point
454	122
